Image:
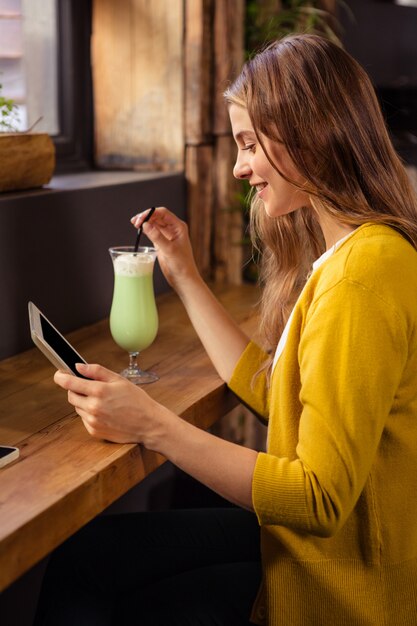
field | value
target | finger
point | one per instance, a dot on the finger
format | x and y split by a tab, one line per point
159	236
78	385
137	220
97	372
78	401
96	430
63	379
161	215
91	425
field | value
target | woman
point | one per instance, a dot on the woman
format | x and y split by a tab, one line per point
334	495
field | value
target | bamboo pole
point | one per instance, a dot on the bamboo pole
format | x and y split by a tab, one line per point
198	169
228	56
198	66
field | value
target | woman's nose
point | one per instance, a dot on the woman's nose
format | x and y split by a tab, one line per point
241	169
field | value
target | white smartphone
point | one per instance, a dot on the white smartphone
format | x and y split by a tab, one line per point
53	345
8	454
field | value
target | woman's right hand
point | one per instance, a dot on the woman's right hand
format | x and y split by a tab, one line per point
222	338
170	237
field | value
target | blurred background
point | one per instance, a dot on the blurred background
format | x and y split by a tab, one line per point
131	94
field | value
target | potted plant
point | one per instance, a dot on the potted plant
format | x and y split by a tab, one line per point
27	158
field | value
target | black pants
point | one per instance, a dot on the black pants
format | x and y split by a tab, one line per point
172	568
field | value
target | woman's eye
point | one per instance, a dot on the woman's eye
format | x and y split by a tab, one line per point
250	147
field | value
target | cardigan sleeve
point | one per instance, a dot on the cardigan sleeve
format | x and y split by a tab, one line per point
253	391
352	352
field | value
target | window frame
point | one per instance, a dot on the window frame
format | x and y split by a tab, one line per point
74	142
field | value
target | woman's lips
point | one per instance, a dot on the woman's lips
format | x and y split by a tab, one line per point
260	189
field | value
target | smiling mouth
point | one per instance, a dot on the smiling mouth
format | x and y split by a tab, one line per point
260	187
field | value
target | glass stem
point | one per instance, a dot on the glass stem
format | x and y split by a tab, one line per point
133	361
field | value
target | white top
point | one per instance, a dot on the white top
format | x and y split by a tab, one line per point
138	264
316	264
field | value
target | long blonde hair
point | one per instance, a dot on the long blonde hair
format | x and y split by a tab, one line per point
310	94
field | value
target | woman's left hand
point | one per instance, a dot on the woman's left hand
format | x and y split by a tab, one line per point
112	408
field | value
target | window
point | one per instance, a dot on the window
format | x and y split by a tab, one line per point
45	68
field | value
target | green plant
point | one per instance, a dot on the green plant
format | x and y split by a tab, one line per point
9	117
268	20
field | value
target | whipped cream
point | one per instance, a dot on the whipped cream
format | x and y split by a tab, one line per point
139	264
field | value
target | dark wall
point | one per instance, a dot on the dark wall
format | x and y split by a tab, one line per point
382	36
54	248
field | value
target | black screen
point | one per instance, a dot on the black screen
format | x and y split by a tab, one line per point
60	346
5	451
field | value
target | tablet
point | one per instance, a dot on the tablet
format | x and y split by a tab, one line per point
53	345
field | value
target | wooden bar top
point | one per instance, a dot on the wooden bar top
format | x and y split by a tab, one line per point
64	477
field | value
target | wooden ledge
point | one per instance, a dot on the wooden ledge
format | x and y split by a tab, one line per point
63	477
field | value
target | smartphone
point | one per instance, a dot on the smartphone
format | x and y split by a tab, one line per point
8	454
53	345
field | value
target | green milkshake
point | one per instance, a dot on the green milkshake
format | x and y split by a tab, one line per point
133	316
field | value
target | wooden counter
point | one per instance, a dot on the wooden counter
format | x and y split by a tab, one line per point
63	477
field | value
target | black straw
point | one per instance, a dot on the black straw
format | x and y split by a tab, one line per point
151	212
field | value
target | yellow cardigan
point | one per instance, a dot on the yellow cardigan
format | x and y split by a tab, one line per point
336	491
